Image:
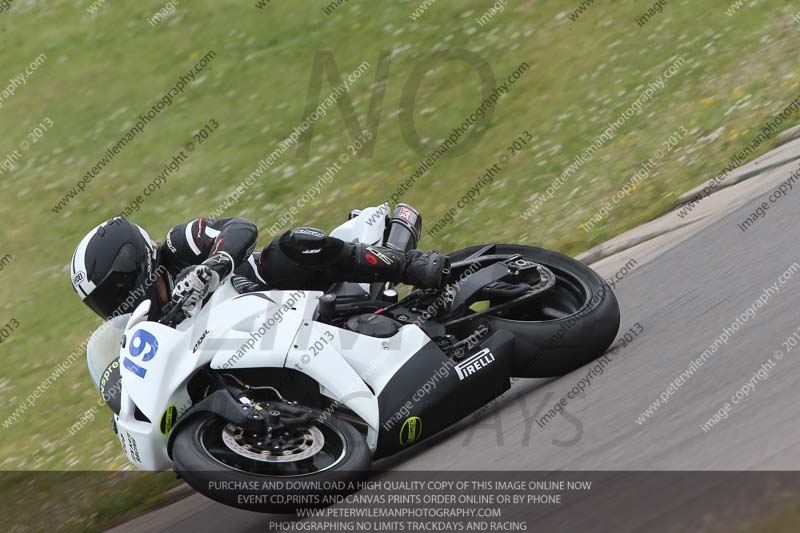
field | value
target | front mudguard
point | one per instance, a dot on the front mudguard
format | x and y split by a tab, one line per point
223	404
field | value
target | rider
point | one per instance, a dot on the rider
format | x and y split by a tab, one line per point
117	265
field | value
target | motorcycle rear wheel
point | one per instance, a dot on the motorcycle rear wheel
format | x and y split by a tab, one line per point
566	327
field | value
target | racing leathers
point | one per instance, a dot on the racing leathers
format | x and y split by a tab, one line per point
200	254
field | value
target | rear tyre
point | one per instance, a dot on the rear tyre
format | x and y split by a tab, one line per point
325	463
566	327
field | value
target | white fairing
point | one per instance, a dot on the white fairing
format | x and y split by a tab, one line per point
367	227
103	346
270	329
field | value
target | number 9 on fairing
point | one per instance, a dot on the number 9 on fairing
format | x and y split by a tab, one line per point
142	343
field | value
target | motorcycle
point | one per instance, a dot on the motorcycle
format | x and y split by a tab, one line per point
297	385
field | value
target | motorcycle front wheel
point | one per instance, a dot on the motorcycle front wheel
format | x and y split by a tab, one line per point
304	468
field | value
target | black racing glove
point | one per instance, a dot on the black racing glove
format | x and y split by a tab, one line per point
426	269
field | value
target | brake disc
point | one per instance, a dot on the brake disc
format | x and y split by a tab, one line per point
290	448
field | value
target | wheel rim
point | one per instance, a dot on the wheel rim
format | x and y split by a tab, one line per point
566	298
322	448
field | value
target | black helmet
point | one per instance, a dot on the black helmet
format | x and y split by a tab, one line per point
113	267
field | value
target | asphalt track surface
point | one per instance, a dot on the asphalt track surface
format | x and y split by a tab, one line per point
683	299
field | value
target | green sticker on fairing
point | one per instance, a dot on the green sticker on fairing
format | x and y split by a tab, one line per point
410	431
168	420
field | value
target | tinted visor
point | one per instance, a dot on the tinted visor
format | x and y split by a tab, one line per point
115	293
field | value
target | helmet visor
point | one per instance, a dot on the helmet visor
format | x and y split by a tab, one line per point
117	291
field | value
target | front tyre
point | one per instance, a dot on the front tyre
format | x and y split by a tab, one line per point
311	468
